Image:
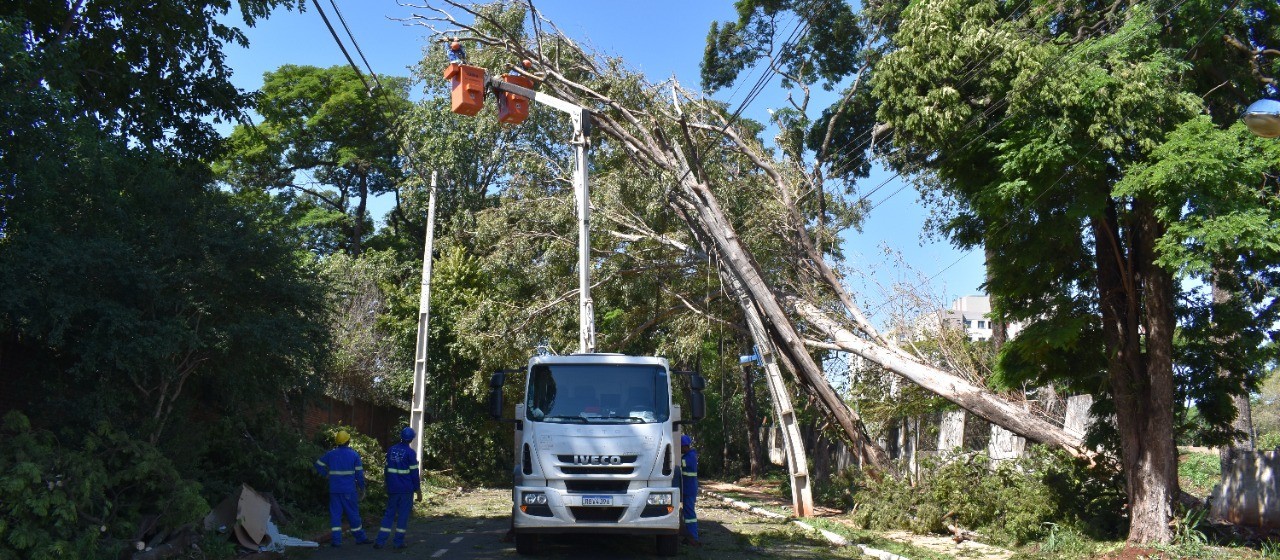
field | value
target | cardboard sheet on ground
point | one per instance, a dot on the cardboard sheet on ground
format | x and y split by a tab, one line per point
245	514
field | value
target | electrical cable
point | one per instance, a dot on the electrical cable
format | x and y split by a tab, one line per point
341	46
355	43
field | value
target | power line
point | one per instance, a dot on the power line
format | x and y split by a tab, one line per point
341	46
354	43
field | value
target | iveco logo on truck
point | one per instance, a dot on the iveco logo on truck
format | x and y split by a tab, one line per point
597	460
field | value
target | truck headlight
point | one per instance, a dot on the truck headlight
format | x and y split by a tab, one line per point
535	498
660	499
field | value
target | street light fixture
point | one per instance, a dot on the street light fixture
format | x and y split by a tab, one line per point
1263	118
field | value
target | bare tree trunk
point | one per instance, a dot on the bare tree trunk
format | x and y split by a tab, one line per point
1243	423
357	228
1141	383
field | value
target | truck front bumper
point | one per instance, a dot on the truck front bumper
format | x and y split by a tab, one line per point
627	513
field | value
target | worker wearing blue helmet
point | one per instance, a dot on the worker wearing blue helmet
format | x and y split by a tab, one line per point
689	489
404	482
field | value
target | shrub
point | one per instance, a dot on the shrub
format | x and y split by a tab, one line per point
1013	502
268	456
84	499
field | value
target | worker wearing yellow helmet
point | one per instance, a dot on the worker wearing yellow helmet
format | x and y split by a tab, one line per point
346	478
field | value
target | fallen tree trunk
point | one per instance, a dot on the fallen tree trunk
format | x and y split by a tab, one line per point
966	395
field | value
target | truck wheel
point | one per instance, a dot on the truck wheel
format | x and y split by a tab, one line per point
526	543
668	545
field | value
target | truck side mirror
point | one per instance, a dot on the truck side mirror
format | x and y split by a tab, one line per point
697	402
495	394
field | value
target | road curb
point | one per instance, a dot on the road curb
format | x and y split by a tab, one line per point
830	537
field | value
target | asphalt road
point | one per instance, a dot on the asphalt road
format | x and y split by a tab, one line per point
471	525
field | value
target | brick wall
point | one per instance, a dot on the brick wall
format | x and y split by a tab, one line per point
379	421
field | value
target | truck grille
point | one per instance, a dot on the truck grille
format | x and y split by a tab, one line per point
596	487
597	470
597	514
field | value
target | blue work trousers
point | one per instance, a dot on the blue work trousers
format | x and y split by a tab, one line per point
345	503
399	507
687	514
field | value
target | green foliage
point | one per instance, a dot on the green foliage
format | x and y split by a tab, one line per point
148	71
323	123
1064	542
128	272
1014	502
1266	411
83	497
1198	473
1189	540
366	358
270	456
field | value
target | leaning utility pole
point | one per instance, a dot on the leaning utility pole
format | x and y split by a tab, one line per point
417	416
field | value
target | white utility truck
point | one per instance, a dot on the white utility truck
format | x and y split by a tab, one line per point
596	447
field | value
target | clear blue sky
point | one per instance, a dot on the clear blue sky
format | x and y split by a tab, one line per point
659	38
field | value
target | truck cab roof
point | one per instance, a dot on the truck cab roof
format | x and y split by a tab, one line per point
600	359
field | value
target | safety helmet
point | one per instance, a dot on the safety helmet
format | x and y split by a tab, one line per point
342	437
686	441
407	434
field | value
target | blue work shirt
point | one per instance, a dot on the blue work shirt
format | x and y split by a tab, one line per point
402	470
689	473
342	465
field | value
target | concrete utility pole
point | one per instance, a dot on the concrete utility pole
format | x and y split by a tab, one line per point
417	415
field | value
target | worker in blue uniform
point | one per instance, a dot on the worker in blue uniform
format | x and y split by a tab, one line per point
689	489
404	483
346	478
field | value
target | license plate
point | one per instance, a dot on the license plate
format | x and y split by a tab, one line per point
597	500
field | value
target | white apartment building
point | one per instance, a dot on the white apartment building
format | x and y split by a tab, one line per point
973	313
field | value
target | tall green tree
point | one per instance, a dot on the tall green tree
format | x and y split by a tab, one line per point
327	143
133	287
1056	132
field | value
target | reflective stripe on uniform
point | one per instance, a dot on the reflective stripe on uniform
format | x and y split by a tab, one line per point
691	520
359	467
341	473
336	529
691	474
321	463
384	530
398	471
399	530
357	529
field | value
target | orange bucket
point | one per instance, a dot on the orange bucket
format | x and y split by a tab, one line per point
466	85
512	108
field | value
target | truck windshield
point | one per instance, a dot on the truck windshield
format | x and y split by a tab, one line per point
614	394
